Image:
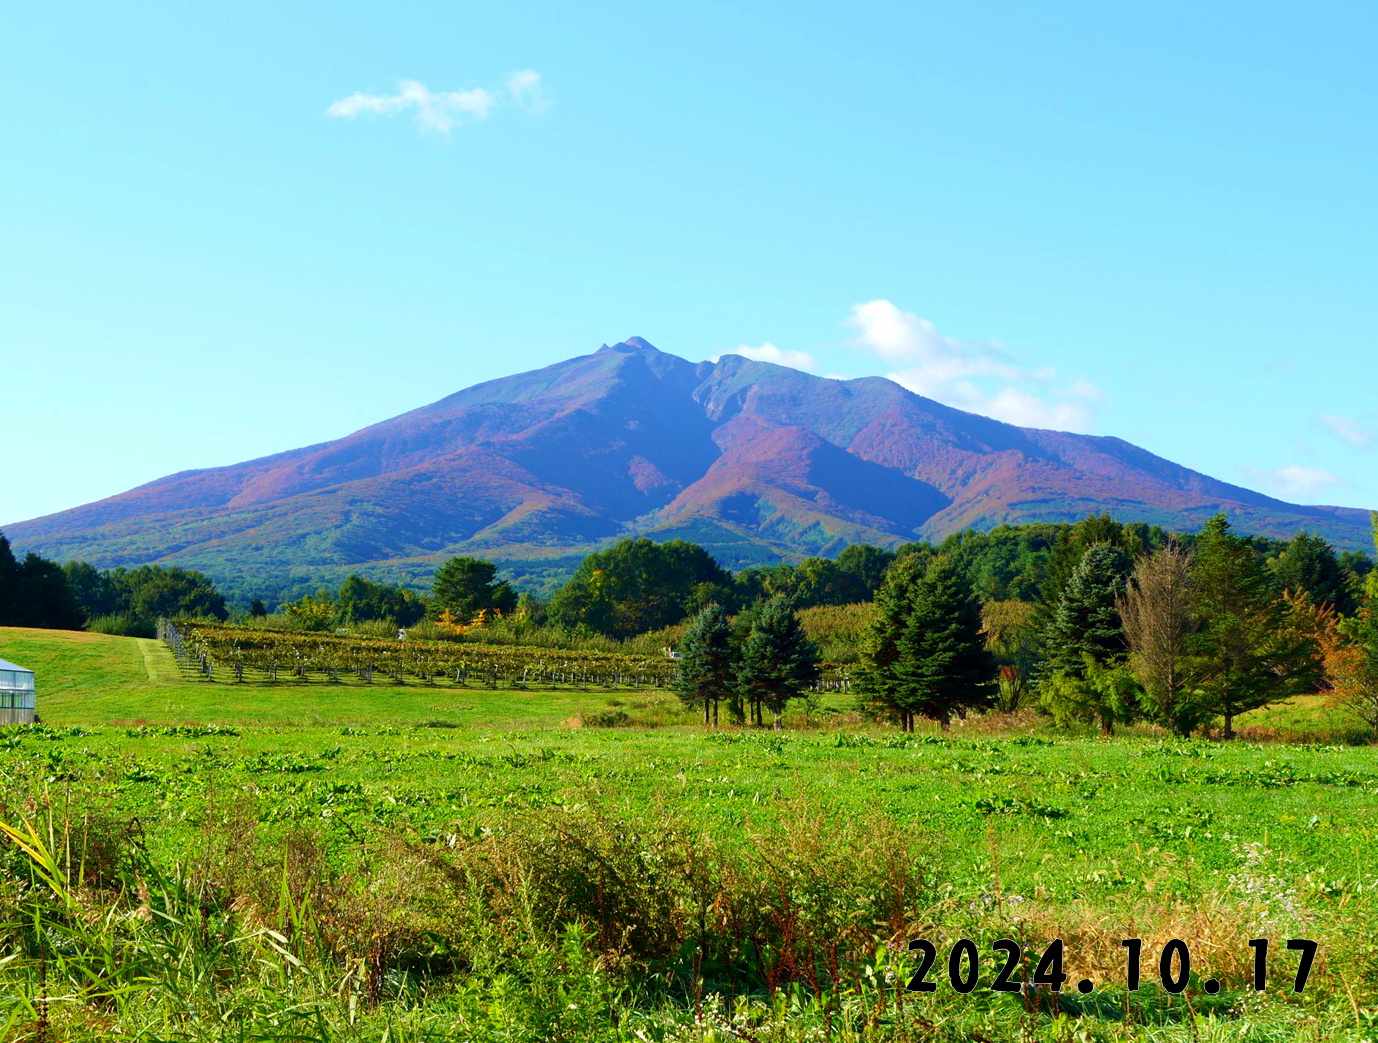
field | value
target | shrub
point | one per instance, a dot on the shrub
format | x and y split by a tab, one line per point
605	718
123	624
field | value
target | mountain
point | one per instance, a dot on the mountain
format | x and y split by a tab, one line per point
755	461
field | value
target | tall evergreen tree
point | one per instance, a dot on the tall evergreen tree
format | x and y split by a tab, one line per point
1071	546
942	668
465	586
778	661
1310	566
707	667
874	677
1086	621
1248	657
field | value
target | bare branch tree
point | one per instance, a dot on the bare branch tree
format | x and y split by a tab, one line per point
1158	615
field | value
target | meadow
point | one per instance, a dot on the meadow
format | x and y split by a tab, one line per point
207	860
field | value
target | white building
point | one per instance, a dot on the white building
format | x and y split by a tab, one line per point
16	694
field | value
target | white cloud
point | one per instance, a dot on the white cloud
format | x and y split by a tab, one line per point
1349	430
768	352
444	110
525	89
1295	481
981	377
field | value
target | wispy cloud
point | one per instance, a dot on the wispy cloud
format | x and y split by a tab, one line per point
1349	430
978	376
1295	481
525	89
444	110
768	352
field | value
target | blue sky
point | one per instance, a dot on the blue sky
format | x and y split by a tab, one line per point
242	228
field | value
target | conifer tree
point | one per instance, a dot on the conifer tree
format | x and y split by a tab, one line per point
1086	621
466	586
874	678
707	668
1071	546
942	668
1249	658
1310	566
1101	692
778	661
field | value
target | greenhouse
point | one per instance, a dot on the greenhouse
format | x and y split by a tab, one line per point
16	694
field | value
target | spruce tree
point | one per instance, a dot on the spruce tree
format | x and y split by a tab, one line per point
1309	565
1086	621
1248	658
706	663
778	661
942	668
874	678
1071	546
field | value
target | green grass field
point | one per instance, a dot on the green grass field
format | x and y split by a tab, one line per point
474	864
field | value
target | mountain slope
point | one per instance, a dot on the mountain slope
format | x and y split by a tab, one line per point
754	460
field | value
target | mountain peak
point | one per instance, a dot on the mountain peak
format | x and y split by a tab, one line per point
630	345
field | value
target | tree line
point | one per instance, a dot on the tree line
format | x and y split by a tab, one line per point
36	592
1094	621
1126	624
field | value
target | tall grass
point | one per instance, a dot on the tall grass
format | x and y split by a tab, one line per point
568	924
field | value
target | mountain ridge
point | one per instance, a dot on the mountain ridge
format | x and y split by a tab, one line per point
755	460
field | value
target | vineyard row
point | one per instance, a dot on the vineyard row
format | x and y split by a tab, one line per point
234	655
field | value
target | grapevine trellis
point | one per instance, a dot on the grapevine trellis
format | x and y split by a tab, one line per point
243	656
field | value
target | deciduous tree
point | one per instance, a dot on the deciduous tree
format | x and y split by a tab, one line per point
1158	612
635	586
1353	662
1104	692
1012	637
